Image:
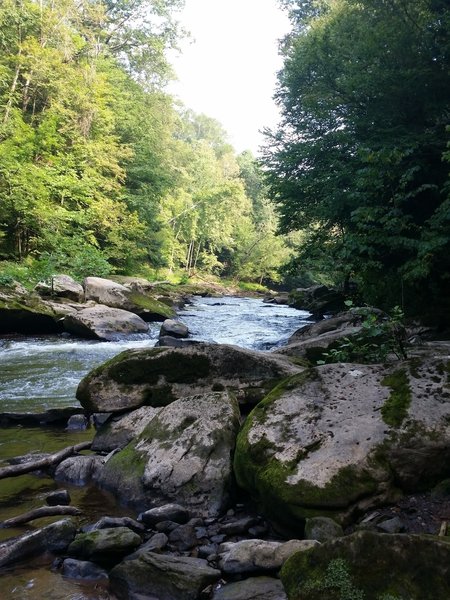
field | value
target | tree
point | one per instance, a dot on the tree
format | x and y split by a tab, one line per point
365	94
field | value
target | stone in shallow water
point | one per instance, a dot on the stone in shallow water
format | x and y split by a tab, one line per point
164	577
105	546
254	588
82	569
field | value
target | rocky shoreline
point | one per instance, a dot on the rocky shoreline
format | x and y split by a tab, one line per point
263	476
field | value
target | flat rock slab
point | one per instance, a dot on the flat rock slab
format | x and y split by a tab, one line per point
162	577
370	566
253	588
158	376
344	437
104	323
248	556
183	455
119	430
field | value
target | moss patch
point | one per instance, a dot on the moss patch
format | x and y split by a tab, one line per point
151	305
395	409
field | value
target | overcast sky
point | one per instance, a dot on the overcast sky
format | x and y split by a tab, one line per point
228	69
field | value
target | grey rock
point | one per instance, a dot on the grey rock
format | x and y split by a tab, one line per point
206	550
322	529
77	423
183	455
60	497
394	525
158	376
61	286
238	527
78	470
173	328
82	569
183	537
248	556
52	538
105	546
162	577
110	522
253	588
167	512
119	430
166	526
317	299
104	323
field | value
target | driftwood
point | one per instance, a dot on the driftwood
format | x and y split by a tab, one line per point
37	513
42	463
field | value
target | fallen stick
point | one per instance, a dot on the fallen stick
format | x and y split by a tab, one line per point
41	463
37	513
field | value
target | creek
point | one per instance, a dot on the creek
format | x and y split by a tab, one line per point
40	373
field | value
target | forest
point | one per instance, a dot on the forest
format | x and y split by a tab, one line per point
102	171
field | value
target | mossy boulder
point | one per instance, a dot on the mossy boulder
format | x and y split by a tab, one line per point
158	376
163	576
183	455
119	429
24	312
317	299
105	546
321	443
116	295
370	566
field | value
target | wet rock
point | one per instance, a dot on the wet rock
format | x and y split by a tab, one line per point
322	529
168	577
82	569
61	286
172	342
343	438
370	566
166	526
77	423
60	497
23	312
155	543
52	538
248	556
173	328
183	455
105	546
238	527
104	323
110	522
167	512
394	525
158	376
253	588
119	430
78	470
183	537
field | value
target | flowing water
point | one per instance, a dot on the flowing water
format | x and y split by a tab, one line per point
39	373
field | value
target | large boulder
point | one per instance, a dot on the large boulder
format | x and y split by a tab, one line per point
61	286
104	323
116	295
173	328
158	376
370	566
183	456
317	299
105	546
25	312
341	438
316	340
164	577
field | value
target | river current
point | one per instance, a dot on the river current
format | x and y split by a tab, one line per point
38	373
42	372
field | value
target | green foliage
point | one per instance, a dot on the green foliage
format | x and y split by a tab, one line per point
360	162
338	581
395	409
380	337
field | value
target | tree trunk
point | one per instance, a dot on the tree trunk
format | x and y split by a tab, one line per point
42	463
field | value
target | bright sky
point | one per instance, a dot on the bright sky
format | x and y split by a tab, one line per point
228	69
